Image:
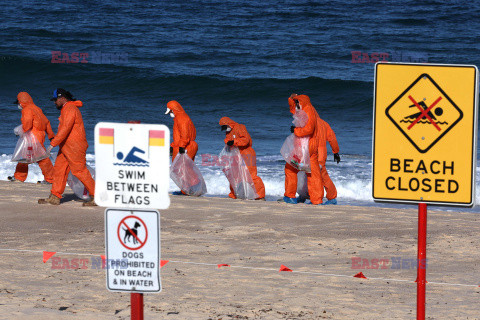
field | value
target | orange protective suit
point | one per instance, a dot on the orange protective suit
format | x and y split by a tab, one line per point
184	133
34	119
241	139
73	145
314	179
326	135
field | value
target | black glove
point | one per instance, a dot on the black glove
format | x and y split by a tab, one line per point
181	150
336	157
230	143
292	129
171	150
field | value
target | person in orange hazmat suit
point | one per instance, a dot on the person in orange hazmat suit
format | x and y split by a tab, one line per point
72	143
236	134
312	130
33	119
184	134
327	135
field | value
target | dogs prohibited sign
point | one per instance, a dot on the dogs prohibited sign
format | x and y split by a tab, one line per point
132	250
425	127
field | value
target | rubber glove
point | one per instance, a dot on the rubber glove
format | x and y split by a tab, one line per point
336	157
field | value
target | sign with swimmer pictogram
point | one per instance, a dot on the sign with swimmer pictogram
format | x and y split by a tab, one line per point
132	165
425	129
132	245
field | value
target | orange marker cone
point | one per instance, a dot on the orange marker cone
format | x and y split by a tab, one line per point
104	261
163	262
47	255
283	268
222	265
360	275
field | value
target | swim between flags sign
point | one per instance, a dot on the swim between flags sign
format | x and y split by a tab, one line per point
425	133
132	165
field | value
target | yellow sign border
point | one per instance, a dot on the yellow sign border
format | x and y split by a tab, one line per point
474	138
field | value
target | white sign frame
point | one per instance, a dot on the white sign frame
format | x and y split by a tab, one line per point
132	165
117	266
390	199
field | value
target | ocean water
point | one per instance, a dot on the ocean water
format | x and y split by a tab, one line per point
240	59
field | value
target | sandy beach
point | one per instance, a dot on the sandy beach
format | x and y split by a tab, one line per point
255	239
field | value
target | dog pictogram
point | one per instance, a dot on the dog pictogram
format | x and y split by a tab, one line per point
132	232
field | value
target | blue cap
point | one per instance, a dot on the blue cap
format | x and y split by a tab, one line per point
59	92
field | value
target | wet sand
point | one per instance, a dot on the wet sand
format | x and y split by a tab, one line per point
255	238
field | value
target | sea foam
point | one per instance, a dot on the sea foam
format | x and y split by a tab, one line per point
352	177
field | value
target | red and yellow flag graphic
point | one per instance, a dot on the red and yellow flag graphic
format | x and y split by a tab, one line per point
156	138
106	136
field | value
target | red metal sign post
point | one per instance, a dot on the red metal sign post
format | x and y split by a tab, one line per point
421	260
136	306
136	299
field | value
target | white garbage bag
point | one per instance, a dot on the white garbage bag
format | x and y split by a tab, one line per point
18	130
187	176
77	187
295	152
237	173
28	148
300	119
295	149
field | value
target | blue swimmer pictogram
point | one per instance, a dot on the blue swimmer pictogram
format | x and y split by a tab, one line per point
131	159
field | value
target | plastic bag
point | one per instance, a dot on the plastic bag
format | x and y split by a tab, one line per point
77	187
300	119
18	130
295	149
187	176
28	149
237	173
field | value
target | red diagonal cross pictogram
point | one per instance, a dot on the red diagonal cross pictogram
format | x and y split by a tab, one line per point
132	233
424	113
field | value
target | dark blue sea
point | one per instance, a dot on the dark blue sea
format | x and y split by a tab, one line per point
242	59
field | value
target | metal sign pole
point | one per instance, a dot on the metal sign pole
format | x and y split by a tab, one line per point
136	299
421	260
136	306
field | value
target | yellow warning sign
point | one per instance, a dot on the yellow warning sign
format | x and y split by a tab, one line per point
424	142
